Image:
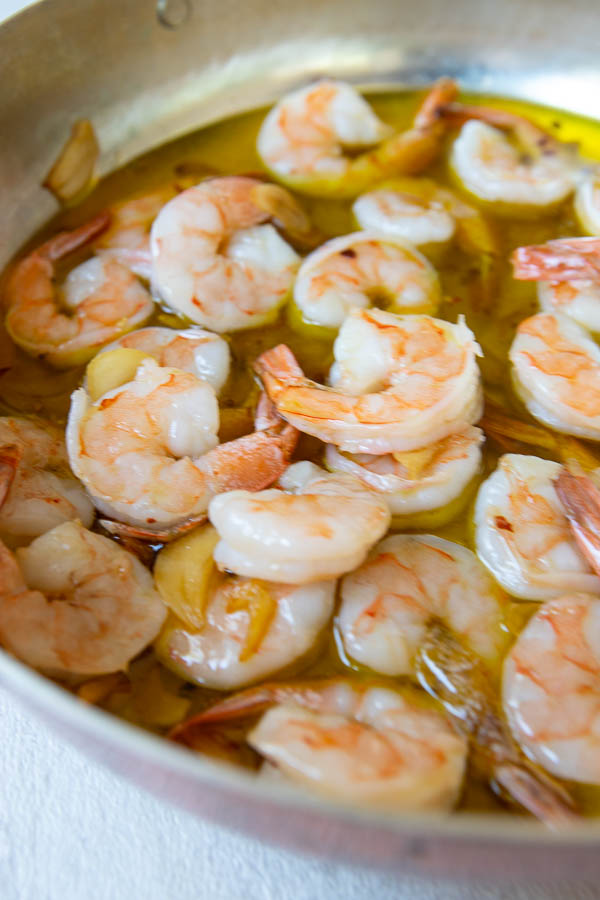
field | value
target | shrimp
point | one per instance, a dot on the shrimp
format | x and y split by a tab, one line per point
304	139
147	450
551	687
419	481
364	744
522	533
299	534
568	276
75	603
398	383
204	354
229	631
102	301
556	373
216	259
360	270
457	678
407	579
37	489
492	168
420	211
127	240
587	202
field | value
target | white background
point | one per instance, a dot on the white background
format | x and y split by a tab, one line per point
70	830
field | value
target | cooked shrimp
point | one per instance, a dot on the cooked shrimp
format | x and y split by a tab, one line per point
420	480
556	373
420	211
37	489
460	681
304	139
298	534
362	269
562	288
102	300
398	383
580	498
492	168
204	354
128	238
362	744
407	579
522	533
74	602
216	259
587	202
147	450
551	687
231	631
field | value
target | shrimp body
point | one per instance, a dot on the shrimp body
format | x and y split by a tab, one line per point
304	139
39	491
203	353
522	533
491	168
362	745
556	372
356	270
418	481
405	216
587	203
551	687
100	301
398	383
74	602
221	655
319	526
406	580
216	259
147	450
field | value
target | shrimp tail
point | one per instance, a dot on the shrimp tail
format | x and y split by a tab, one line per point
581	500
67	242
251	462
10	457
412	151
455	677
541	796
278	369
561	260
125	531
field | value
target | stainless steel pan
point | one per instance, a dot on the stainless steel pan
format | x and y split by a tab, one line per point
144	76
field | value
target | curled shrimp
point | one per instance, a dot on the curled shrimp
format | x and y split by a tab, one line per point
37	488
551	687
587	202
304	139
361	744
420	211
537	174
362	269
203	353
556	373
298	534
522	532
419	481
216	258
101	298
398	383
74	602
147	450
388	601
228	631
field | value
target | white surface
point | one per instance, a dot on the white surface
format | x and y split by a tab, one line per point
70	830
